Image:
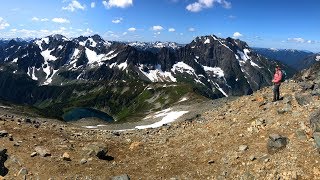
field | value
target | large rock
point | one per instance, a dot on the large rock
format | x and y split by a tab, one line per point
42	151
98	150
3	158
314	121
121	177
276	142
316	137
303	99
3	133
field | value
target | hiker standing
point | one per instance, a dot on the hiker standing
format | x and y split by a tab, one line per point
277	82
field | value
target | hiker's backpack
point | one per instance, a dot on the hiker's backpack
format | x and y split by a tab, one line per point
284	75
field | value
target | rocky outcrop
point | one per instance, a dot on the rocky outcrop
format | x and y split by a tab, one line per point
3	159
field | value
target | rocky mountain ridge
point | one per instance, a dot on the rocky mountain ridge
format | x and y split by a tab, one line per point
57	60
56	74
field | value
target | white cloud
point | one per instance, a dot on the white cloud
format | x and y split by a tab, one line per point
38	19
3	23
28	33
157	33
171	30
202	4
237	35
117	20
191	29
73	6
44	20
297	40
157	28
125	33
93	5
117	3
60	20
194	7
35	19
132	29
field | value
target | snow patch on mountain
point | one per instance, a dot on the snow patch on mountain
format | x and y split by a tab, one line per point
220	89
183	67
31	73
157	75
254	64
168	117
15	60
49	80
216	70
207	41
47	55
123	65
93	57
317	58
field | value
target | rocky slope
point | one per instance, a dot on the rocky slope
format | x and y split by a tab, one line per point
249	137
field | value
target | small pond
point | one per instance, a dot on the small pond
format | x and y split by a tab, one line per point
79	113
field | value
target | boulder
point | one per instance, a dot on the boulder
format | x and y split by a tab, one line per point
306	85
3	133
66	157
243	148
121	177
97	150
314	121
276	142
303	99
316	137
42	151
3	159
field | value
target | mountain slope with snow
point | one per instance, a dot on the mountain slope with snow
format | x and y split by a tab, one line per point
222	66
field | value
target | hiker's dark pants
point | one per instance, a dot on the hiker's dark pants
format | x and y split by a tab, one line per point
276	92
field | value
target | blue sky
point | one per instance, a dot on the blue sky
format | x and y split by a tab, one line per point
261	23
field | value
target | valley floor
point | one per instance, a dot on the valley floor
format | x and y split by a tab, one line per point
227	142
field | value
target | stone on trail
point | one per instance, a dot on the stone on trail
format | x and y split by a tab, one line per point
23	171
97	150
276	142
121	177
83	161
3	133
66	157
42	151
33	154
243	148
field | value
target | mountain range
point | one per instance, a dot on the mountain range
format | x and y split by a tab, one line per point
297	59
56	72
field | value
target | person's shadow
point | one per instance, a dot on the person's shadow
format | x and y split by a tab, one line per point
3	158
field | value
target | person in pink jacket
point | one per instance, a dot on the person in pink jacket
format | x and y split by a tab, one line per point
277	82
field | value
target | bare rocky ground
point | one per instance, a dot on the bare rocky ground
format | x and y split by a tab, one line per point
249	137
